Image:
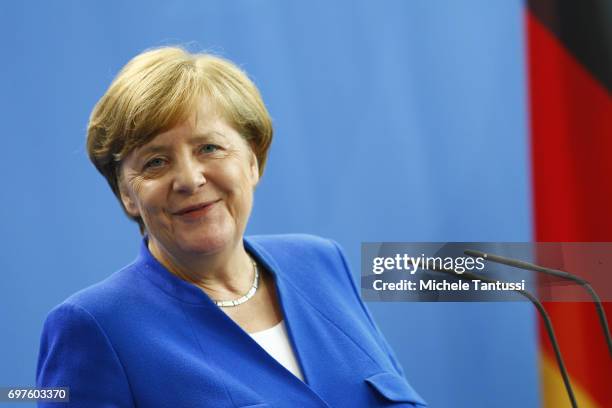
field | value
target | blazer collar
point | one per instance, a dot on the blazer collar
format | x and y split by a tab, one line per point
190	293
298	313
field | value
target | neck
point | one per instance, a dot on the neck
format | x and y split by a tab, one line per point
226	274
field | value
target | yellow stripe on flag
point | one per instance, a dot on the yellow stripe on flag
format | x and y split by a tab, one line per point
553	389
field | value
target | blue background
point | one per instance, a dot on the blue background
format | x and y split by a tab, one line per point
395	121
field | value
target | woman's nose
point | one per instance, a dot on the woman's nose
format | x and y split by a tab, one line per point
189	175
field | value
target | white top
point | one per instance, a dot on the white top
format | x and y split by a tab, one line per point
276	342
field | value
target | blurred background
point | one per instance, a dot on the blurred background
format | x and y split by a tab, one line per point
394	121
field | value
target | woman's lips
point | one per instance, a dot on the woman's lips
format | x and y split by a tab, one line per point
197	211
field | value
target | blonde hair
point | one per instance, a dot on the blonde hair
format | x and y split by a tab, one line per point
159	89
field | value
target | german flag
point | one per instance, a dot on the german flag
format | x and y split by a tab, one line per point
570	85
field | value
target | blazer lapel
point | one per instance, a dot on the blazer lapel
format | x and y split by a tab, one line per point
328	357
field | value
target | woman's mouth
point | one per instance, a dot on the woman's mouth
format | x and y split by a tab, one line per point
193	212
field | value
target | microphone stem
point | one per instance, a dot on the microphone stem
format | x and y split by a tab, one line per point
602	316
547	324
553	340
554	272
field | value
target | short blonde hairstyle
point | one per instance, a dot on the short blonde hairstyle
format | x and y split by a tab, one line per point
159	89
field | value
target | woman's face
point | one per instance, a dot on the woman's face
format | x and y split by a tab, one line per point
192	185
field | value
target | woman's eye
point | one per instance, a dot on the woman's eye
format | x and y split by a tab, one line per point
209	148
154	163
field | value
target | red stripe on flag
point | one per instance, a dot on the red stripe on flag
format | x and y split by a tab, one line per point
571	141
571	128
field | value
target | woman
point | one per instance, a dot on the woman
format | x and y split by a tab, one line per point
205	316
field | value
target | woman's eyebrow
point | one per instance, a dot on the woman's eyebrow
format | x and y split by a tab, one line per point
198	137
152	149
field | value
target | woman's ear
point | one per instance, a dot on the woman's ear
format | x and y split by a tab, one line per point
253	169
126	198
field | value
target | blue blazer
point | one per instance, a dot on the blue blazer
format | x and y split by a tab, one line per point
145	338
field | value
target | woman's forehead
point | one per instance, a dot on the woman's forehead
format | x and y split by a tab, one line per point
215	129
177	136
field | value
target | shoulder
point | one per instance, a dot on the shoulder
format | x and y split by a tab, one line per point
290	240
106	297
301	255
291	245
306	260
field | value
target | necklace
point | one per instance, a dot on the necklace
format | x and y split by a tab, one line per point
247	296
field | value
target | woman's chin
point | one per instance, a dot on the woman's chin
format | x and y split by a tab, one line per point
206	243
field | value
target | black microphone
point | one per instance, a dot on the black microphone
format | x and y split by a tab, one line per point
554	272
539	307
